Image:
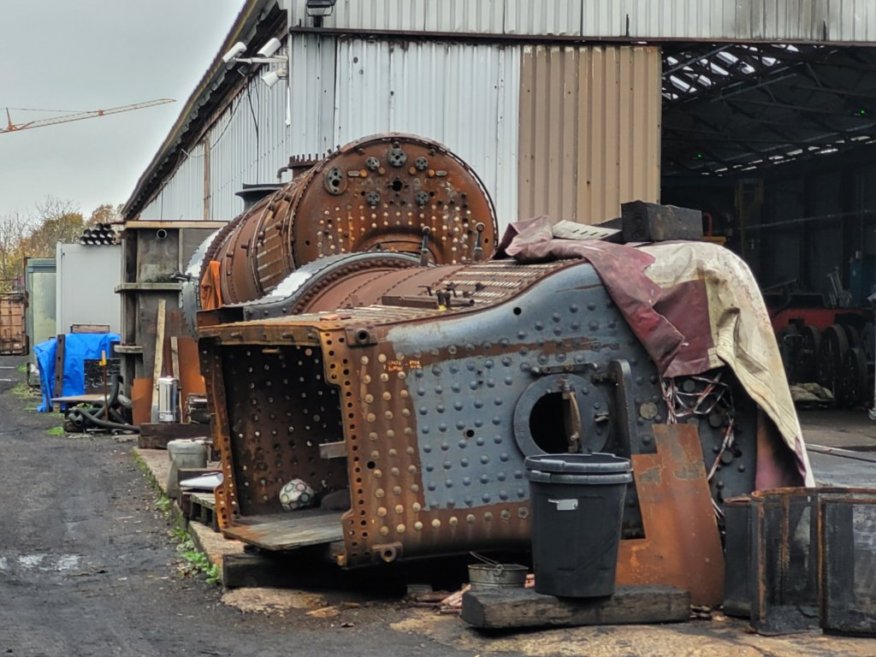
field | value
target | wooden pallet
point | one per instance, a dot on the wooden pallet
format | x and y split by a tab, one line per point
200	507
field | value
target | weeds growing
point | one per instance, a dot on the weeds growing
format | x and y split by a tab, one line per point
194	561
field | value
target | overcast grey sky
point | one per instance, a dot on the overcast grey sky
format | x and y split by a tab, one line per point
95	54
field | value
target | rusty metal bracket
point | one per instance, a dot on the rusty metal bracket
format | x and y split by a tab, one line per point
681	546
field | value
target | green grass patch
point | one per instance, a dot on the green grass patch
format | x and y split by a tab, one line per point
198	562
24	391
22	368
163	504
56	431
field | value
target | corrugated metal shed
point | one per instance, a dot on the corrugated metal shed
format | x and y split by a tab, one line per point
183	192
464	96
839	21
589	130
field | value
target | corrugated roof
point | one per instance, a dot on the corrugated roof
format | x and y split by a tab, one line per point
732	108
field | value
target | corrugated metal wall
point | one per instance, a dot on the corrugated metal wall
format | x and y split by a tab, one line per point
182	197
461	95
589	130
747	20
564	137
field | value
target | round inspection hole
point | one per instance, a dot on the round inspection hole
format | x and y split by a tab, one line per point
469	433
370	465
397	185
546	423
517	310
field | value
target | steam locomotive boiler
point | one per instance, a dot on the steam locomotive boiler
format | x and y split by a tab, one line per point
394	380
411	399
387	193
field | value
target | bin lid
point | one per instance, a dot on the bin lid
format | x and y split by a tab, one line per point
595	463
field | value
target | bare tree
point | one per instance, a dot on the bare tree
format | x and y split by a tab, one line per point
56	221
106	214
14	229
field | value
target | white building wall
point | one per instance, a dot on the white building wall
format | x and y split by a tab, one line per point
465	96
182	197
85	286
745	20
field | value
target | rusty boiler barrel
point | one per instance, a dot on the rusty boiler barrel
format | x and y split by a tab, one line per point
384	193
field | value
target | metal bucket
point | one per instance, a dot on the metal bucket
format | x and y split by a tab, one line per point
496	576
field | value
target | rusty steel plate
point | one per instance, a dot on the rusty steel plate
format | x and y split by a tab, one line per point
681	546
390	192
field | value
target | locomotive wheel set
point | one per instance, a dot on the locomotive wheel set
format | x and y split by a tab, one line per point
839	356
356	336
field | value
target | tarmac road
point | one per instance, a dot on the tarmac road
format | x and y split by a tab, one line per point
87	566
87	569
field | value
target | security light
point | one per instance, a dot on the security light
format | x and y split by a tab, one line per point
320	8
273	77
234	52
270	47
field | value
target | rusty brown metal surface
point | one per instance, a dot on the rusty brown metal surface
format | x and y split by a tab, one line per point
681	546
378	193
433	386
812	556
13	335
847	561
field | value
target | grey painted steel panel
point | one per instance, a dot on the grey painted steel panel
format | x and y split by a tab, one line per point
745	20
86	281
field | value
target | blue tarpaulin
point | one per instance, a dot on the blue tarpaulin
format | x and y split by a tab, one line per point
78	347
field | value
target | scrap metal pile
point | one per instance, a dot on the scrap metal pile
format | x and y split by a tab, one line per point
363	353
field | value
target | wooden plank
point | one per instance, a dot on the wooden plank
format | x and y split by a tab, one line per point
156	436
287	531
122	288
88	398
204	499
336	450
196	223
199	506
317	568
89	328
159	356
59	366
518	608
174	357
128	348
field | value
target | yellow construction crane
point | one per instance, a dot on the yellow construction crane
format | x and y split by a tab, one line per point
77	116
